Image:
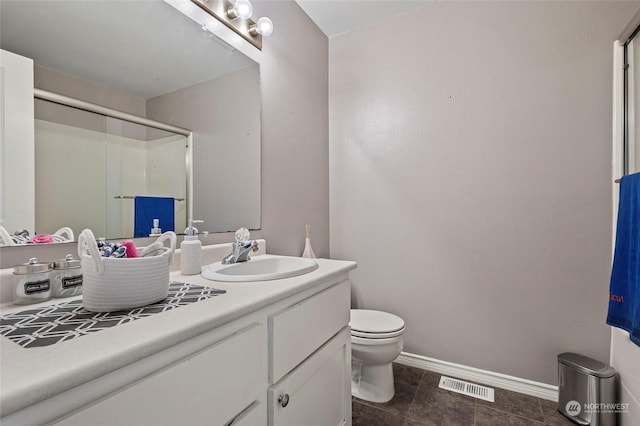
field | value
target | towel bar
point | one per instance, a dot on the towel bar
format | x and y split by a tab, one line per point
131	197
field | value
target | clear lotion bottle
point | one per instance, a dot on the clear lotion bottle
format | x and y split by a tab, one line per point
191	252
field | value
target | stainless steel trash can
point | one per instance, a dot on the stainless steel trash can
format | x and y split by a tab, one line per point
586	390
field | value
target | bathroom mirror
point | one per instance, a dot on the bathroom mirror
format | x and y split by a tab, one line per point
148	59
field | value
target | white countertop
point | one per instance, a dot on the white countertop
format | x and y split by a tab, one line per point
29	375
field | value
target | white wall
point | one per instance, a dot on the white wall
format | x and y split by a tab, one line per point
69	161
17	172
165	174
625	358
74	159
470	172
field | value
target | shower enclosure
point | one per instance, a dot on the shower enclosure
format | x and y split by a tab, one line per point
90	166
626	160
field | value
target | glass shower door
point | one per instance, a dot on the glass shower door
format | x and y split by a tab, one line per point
90	168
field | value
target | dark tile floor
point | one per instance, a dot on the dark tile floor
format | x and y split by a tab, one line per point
419	402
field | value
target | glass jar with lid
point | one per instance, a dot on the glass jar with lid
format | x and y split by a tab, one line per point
66	277
32	281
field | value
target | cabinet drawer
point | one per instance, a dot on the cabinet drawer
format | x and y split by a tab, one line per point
209	388
301	329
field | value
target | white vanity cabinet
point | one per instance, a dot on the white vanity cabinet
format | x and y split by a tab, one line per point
284	359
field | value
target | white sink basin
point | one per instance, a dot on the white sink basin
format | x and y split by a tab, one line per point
260	268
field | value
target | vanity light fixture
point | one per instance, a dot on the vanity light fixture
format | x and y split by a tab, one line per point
236	14
263	26
241	9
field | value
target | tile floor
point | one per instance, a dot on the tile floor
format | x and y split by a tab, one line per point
419	402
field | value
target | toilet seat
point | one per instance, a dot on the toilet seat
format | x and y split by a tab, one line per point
370	324
365	335
375	342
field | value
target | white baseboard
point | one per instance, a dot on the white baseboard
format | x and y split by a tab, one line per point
485	377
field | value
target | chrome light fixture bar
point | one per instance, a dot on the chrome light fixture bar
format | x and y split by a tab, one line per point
234	14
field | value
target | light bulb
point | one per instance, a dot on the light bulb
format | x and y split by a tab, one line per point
263	26
241	9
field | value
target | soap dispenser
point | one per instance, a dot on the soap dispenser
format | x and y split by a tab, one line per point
156	231
191	252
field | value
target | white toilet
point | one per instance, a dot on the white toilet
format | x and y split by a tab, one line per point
376	340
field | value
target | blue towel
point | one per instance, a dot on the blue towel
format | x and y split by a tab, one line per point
624	293
148	208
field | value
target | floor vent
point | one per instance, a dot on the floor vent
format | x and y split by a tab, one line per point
465	388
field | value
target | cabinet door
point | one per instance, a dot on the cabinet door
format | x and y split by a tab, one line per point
209	388
252	416
318	391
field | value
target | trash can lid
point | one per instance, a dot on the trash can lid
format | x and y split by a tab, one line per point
586	365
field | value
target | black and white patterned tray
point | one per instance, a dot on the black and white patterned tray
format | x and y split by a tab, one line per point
47	325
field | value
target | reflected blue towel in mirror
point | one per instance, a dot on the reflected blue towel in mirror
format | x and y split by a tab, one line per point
624	290
148	208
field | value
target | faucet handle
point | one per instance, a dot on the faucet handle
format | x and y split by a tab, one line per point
242	235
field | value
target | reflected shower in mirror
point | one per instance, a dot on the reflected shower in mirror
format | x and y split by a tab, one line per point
148	59
110	162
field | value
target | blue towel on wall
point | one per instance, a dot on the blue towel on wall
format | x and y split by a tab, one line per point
624	291
148	208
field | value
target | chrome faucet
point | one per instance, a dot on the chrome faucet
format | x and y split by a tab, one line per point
241	248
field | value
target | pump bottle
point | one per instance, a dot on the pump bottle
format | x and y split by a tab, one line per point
191	251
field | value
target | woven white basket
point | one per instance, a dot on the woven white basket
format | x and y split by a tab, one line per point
116	284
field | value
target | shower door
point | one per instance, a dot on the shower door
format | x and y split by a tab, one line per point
626	159
89	168
631	152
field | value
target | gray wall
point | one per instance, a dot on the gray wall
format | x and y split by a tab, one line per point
48	79
224	116
57	82
470	152
295	131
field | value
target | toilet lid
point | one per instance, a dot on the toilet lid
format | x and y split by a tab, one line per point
367	322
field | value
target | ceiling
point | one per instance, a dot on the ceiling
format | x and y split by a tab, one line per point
335	17
145	48
108	42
